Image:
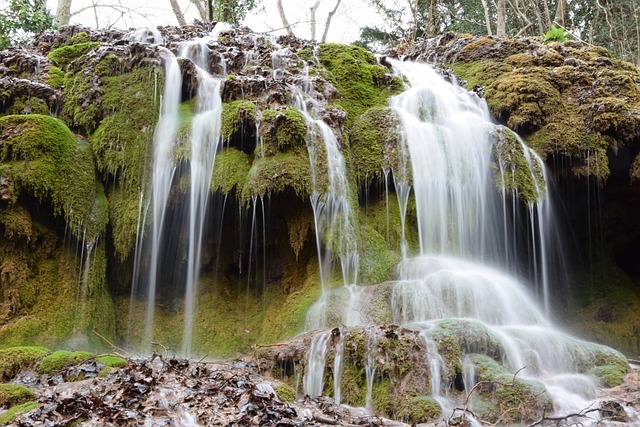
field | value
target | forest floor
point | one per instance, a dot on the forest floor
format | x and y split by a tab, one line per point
163	391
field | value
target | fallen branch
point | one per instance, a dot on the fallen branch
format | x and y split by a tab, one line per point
120	352
581	414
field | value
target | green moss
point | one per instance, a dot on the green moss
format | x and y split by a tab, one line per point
362	83
517	400
274	174
64	55
44	158
517	175
374	142
14	394
55	78
15	359
112	361
62	359
17	223
16	411
420	409
479	73
81	37
608	375
231	171
234	115
286	393
376	260
282	129
27	105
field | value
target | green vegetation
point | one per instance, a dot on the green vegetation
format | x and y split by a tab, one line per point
274	174
15	359
286	393
14	394
362	83
231	170
420	409
608	375
19	19
112	361
556	34
44	158
64	55
62	359
16	411
236	114
282	129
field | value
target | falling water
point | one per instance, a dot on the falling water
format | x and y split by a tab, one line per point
204	140
162	176
313	380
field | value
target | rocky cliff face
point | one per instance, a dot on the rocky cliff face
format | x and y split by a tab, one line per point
78	112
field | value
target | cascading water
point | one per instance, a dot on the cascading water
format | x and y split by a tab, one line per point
162	176
460	221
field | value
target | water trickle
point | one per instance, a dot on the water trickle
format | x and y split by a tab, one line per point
313	380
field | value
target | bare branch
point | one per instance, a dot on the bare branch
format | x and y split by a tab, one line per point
326	26
176	11
312	19
283	17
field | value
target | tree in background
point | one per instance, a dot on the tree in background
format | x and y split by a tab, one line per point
21	19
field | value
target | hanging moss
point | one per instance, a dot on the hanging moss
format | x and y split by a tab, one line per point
234	114
282	129
45	159
55	79
374	140
27	105
64	55
272	175
515	174
231	171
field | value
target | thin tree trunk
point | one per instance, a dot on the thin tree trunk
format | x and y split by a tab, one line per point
487	18
547	14
63	12
501	28
202	12
312	19
635	18
176	11
283	17
329	18
536	11
560	12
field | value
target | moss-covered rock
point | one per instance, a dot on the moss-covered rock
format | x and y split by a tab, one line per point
608	375
16	411
286	393
64	55
274	174
374	141
420	409
62	359
15	359
45	159
282	129
235	115
361	81
231	171
565	99
14	394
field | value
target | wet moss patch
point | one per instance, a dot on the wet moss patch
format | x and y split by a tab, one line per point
15	359
14	394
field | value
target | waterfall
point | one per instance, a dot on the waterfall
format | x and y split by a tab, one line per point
463	219
162	176
204	140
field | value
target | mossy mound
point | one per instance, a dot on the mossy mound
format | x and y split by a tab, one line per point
41	156
420	409
361	81
519	171
274	174
286	393
16	411
112	361
282	129
236	115
231	170
15	359
609	375
565	99
64	55
62	359
14	394
516	400
374	140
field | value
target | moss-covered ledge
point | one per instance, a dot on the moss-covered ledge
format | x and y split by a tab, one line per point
565	99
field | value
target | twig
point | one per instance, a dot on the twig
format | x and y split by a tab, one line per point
113	346
581	414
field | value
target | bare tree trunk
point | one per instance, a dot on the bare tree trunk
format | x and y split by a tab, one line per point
501	28
176	11
547	14
312	19
536	11
560	12
202	12
487	18
635	18
329	18
283	17
63	12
